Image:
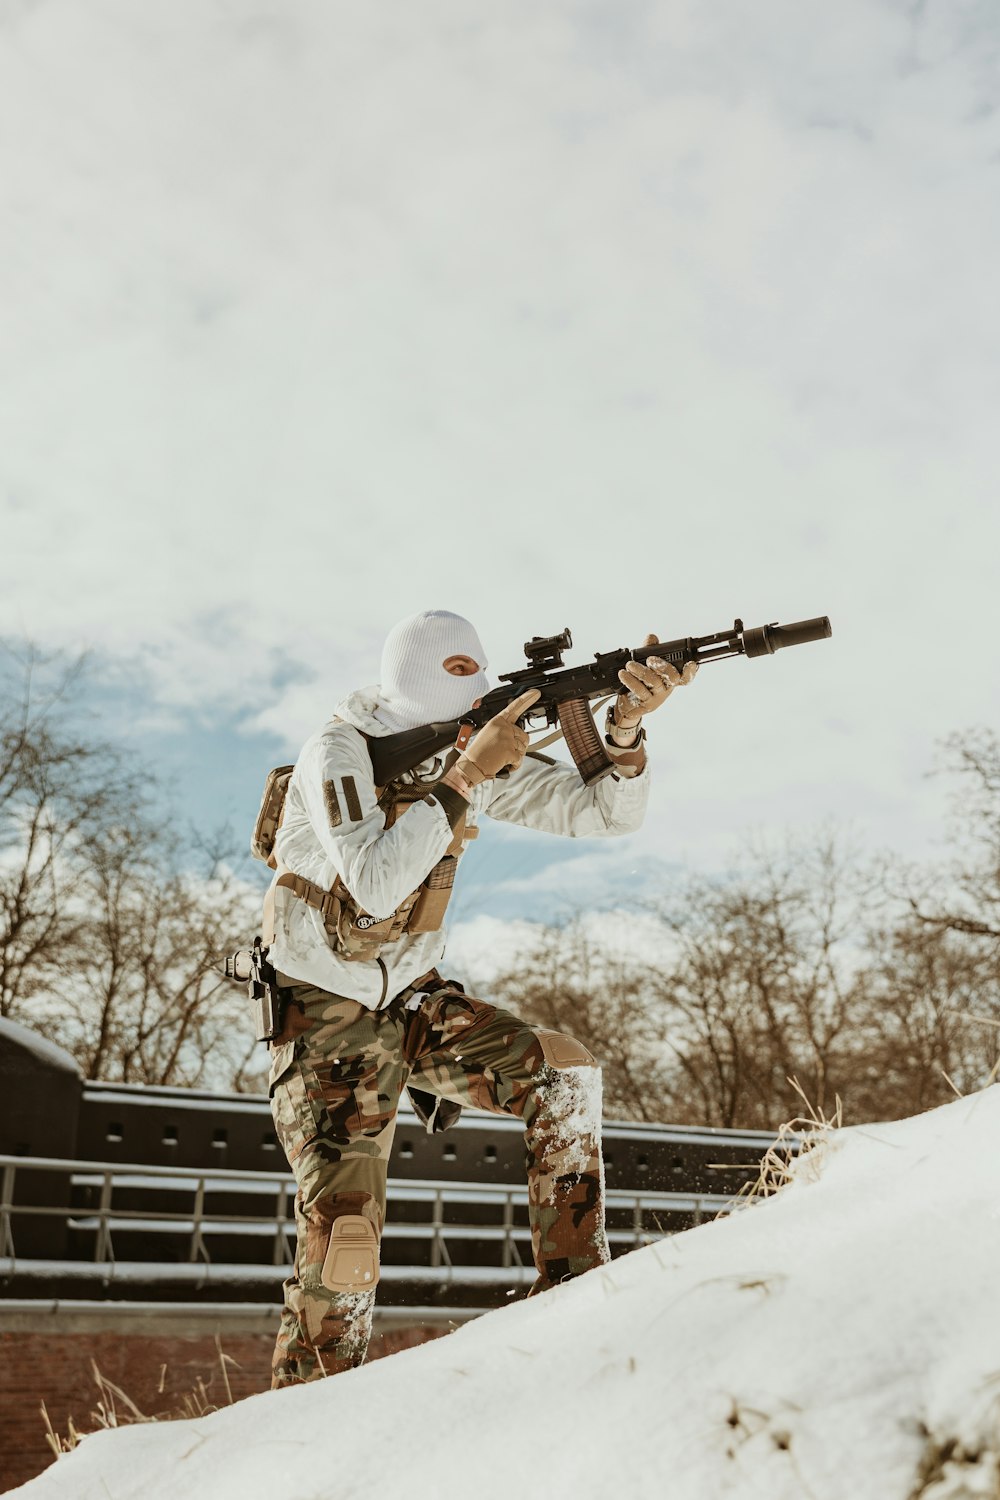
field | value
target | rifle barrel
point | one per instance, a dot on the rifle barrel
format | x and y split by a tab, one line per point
766	639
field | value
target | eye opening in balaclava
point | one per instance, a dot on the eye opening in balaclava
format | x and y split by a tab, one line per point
414	687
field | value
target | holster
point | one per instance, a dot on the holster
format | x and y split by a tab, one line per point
268	1001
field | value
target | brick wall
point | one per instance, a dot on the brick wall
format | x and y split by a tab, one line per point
157	1366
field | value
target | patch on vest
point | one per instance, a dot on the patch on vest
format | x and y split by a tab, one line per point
365	922
332	804
353	800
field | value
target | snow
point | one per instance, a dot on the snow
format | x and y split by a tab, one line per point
572	1106
15	1036
839	1341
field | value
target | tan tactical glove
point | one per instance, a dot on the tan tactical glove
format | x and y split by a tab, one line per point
646	685
500	744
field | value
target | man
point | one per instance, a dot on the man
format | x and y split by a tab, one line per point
356	911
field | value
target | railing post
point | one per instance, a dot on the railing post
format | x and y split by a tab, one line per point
198	1250
6	1228
439	1250
510	1255
508	1224
281	1220
637	1221
104	1249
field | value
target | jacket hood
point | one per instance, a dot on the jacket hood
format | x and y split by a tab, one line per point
358	710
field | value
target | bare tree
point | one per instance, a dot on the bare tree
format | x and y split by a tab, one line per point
934	1019
767	984
110	922
571	981
154	1007
742	984
967	900
936	974
56	789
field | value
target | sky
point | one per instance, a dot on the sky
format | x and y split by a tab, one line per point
627	318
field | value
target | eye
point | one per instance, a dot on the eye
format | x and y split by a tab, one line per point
460	666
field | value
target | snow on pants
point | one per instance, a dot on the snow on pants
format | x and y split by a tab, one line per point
336	1076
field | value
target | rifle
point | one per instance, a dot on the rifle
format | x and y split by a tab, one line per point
566	693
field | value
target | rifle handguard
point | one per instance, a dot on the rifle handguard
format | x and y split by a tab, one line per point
585	742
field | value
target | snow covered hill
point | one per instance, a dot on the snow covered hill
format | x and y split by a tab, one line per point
840	1341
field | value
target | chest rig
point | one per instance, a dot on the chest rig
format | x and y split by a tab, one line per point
357	935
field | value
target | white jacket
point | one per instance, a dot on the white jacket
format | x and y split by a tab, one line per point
381	866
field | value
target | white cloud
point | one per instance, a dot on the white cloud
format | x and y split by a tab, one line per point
484	947
633	317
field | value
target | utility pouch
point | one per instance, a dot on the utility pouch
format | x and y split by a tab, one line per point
435	893
361	936
272	806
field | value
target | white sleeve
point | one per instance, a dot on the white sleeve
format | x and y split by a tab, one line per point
379	866
551	797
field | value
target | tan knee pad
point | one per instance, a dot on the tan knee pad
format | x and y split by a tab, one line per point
562	1051
351	1263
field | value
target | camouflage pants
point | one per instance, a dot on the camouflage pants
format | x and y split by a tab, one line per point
336	1077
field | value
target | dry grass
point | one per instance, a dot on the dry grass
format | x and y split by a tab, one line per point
115	1408
793	1141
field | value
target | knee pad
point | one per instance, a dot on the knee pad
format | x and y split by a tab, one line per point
351	1261
561	1051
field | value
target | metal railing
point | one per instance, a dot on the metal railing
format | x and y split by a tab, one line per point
500	1216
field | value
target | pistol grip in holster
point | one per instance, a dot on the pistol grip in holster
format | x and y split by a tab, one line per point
268	1002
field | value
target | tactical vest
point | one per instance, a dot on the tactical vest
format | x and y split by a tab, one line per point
355	934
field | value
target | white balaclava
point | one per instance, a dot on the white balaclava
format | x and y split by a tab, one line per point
414	687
